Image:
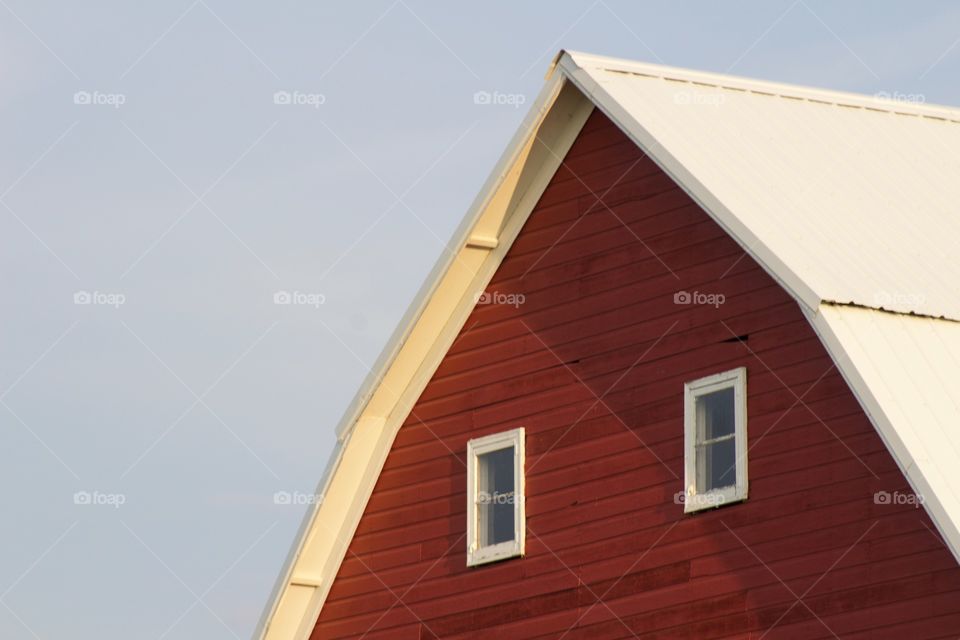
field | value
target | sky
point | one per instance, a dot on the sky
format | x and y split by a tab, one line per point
212	216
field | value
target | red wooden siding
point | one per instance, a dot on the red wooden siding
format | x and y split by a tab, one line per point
592	364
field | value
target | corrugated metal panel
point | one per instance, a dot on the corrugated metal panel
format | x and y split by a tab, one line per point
904	370
850	198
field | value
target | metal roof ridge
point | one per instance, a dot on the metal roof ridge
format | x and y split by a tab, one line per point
756	86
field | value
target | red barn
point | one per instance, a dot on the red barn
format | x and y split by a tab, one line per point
689	371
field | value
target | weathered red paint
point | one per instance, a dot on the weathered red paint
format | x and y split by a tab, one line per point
593	363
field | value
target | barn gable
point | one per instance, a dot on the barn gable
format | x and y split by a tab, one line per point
580	338
447	372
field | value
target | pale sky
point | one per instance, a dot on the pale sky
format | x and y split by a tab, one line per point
157	193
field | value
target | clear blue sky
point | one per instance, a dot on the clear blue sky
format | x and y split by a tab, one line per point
146	164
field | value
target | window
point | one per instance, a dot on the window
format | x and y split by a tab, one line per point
495	509
715	430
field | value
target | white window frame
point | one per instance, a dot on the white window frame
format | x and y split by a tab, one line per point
477	555
694	499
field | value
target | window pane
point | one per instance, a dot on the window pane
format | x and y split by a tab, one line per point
716	465
496	497
715	414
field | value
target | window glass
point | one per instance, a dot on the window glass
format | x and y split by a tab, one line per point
716	444
715	414
717	465
496	495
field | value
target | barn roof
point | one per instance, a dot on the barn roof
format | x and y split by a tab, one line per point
847	200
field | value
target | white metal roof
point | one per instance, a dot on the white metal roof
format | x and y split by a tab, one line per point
848	198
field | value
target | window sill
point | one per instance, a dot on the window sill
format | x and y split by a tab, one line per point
494	553
714	499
